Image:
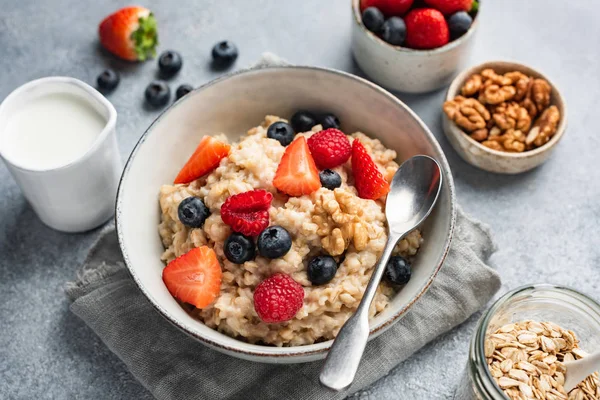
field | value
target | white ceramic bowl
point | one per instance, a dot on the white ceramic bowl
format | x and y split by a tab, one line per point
490	160
408	70
232	105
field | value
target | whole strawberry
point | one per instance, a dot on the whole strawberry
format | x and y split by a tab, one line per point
278	298
426	28
130	33
390	8
448	7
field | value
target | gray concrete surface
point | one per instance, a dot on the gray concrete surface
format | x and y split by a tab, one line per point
545	220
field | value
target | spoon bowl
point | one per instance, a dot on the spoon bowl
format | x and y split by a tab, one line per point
414	191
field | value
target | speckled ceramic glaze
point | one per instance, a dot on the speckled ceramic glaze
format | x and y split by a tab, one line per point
408	70
231	105
501	162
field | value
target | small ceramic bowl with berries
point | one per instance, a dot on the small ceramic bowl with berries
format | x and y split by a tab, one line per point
504	117
413	46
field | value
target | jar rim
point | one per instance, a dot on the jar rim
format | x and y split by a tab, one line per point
477	351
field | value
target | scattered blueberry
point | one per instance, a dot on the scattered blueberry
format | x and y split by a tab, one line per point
397	271
321	269
224	53
303	121
239	248
192	212
170	62
282	132
108	80
394	31
183	90
329	120
158	93
330	179
373	19
459	23
274	242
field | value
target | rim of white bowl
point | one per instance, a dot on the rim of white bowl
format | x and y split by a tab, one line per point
271	352
427	52
454	89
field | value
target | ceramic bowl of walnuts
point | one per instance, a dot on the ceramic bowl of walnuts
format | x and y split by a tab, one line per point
504	117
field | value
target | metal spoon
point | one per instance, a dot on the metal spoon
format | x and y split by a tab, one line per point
415	189
578	370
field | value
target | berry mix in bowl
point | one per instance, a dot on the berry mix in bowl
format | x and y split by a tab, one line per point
413	46
273	239
419	25
259	243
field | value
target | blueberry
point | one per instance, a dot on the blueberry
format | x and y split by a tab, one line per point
169	63
239	248
224	53
274	242
459	23
321	269
282	132
192	212
329	120
394	31
303	121
373	19
108	80
158	93
330	179
183	90
397	271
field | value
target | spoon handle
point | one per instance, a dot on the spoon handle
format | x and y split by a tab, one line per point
578	370
347	349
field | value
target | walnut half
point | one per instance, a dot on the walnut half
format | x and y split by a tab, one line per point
512	141
544	128
469	114
512	116
472	85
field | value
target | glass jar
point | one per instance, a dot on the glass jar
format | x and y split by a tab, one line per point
565	307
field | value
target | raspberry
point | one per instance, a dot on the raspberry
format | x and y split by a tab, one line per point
369	181
329	148
278	298
248	212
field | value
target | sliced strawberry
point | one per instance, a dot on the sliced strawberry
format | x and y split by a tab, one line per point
207	157
130	33
247	212
369	181
297	173
194	277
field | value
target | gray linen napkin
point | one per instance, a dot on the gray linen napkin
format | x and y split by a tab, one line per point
172	365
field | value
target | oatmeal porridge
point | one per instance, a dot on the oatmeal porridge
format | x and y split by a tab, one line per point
318	238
